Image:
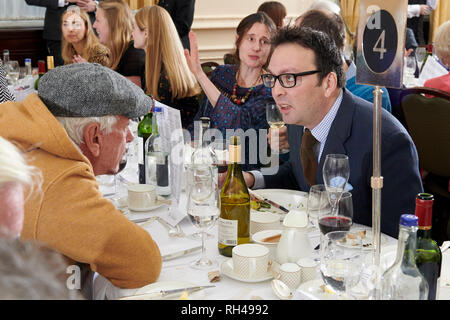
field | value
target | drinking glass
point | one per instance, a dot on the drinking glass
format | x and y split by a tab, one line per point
14	71
420	54
409	69
336	171
341	260
317	204
202	207
275	120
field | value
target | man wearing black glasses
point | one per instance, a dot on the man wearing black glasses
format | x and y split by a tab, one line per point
308	84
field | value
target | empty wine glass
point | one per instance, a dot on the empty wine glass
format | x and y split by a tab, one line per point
275	120
341	260
202	207
317	204
336	171
409	69
13	71
421	53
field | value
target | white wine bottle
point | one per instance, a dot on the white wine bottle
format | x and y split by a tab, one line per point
234	221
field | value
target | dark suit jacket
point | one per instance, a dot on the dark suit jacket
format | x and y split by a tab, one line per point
182	13
52	21
351	134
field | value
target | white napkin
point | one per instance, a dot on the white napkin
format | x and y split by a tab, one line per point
431	69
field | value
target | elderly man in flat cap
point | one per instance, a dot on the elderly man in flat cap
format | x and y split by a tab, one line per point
75	128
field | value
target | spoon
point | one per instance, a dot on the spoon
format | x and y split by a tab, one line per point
281	290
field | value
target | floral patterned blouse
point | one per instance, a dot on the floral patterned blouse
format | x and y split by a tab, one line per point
229	115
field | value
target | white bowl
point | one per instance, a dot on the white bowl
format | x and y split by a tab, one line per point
260	221
272	246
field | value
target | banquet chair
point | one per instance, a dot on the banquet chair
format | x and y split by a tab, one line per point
427	120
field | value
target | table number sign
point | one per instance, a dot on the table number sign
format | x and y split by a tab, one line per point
381	42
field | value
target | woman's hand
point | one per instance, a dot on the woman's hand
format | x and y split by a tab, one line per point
192	57
78	59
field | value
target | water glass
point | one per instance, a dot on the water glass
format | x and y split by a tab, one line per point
317	204
420	53
341	260
13	71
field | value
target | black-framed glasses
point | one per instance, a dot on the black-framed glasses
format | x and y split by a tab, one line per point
287	80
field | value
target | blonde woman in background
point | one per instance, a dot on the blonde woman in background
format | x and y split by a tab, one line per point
167	78
114	25
79	42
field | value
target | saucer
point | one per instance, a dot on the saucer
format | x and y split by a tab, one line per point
227	269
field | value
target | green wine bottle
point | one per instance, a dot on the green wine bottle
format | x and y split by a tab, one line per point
234	221
41	70
144	132
429	256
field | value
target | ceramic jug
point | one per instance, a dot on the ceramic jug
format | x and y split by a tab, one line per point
294	242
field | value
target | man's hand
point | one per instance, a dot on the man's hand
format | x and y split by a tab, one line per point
87	5
424	10
278	138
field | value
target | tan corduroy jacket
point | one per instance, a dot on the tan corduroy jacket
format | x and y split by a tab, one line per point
70	214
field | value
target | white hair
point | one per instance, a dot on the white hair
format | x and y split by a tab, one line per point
14	167
326	5
74	126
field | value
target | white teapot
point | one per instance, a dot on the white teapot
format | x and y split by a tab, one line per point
294	242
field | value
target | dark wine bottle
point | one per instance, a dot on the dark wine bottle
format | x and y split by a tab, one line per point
144	132
234	221
429	256
41	70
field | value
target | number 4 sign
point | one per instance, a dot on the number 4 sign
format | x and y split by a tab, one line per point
381	42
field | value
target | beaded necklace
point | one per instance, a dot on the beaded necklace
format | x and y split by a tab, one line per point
241	100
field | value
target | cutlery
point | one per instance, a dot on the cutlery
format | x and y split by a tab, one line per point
173	231
272	203
181	253
164	293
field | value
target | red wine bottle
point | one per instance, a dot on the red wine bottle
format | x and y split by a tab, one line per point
429	256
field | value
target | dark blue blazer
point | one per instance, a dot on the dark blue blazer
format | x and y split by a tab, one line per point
351	134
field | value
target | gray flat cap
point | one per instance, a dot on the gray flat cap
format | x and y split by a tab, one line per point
91	90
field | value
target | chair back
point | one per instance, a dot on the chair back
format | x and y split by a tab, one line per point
428	122
209	66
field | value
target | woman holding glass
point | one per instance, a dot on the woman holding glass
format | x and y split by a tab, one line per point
234	95
79	42
167	77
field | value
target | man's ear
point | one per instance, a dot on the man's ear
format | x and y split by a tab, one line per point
92	138
330	83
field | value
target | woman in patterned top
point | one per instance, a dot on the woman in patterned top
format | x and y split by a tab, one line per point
79	42
5	94
235	97
167	75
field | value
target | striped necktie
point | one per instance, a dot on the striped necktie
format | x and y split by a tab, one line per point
309	162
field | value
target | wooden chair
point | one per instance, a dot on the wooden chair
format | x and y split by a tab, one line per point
427	120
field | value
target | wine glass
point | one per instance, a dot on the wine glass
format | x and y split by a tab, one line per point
420	54
317	204
341	260
275	120
13	71
410	68
336	171
202	207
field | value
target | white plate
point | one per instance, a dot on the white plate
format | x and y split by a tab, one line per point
367	241
387	257
312	290
227	269
156	206
168	285
290	199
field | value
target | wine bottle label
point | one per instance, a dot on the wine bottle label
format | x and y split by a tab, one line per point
234	153
228	232
140	150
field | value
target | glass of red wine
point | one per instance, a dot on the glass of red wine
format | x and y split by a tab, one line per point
342	219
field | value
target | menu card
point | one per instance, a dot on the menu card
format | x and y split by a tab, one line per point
431	69
169	128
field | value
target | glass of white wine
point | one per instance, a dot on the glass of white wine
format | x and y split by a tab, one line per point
420	54
202	207
275	119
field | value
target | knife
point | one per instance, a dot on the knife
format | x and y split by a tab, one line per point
164	293
181	253
272	203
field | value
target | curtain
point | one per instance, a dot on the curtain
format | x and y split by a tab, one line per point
137	4
350	14
439	16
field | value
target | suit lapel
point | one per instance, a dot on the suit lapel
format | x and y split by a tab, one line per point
339	132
